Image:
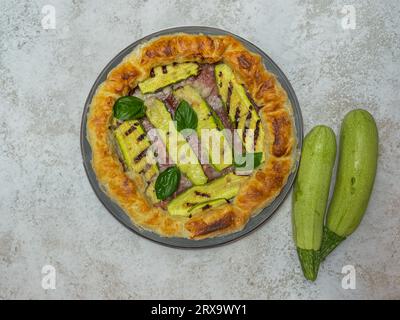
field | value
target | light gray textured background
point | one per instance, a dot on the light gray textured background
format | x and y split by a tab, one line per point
50	215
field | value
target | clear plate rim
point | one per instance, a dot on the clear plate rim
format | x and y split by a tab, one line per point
256	221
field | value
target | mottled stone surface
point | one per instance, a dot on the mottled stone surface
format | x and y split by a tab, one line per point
50	215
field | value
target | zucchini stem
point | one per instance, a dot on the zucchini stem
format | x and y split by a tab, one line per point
330	241
309	260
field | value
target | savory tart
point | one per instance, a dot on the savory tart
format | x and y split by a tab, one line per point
191	135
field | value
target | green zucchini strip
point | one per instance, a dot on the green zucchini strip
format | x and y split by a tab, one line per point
163	76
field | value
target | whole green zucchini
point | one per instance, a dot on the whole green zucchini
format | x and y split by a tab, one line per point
358	155
310	196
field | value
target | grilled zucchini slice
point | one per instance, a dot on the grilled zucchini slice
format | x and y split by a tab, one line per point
163	76
180	151
225	187
133	145
208	120
240	109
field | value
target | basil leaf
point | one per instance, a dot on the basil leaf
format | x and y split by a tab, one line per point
248	161
185	116
167	182
129	108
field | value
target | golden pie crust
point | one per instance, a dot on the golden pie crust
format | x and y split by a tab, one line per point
276	116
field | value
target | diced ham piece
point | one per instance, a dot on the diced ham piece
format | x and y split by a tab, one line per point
171	103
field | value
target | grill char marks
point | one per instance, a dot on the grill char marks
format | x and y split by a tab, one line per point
228	99
249	115
140	156
202	194
190	204
237	116
257	131
246	127
122	163
130	130
141	137
253	103
164	69
152	73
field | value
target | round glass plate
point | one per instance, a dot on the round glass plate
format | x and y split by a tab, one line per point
120	215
